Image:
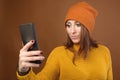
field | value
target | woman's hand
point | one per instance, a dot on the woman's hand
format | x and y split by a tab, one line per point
26	56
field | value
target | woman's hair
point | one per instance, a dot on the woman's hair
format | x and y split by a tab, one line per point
86	42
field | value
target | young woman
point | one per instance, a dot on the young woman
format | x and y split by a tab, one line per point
81	58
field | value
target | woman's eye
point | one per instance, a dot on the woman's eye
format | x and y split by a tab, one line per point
78	24
67	25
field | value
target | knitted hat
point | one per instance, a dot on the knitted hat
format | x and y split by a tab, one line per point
84	13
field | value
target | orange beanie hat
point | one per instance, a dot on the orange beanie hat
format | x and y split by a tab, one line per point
84	13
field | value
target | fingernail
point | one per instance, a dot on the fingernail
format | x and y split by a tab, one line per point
41	53
32	41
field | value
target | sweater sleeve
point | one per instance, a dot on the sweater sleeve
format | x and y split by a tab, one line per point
109	63
29	76
51	69
49	72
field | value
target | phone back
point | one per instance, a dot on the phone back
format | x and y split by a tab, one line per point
28	33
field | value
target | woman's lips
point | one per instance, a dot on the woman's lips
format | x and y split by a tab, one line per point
74	37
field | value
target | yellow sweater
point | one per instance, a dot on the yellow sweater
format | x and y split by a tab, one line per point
59	66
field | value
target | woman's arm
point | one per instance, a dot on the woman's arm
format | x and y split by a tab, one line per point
49	72
109	64
25	57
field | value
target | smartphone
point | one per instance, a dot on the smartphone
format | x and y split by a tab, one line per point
27	32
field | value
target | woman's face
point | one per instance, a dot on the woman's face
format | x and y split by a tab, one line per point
73	29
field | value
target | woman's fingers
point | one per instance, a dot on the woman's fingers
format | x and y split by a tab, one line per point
28	64
27	46
30	53
33	58
25	61
26	56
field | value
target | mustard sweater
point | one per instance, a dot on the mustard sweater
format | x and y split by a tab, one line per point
59	66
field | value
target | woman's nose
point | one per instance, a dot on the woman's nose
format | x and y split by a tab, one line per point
73	30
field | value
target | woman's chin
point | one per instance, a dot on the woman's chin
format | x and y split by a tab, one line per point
76	41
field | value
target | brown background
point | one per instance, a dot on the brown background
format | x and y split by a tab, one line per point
48	16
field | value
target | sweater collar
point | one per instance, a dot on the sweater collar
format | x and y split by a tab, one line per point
76	47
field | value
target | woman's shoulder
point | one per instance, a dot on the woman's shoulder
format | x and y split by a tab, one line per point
103	47
103	50
57	51
106	51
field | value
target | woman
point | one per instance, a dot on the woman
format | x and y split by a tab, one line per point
81	58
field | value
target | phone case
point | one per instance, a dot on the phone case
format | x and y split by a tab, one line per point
27	32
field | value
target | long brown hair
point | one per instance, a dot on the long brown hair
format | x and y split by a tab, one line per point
86	42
